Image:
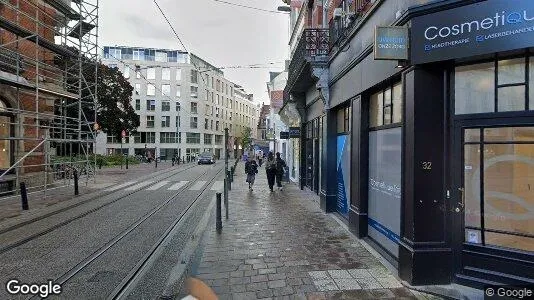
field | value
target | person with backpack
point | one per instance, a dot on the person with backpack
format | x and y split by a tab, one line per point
251	169
280	169
270	169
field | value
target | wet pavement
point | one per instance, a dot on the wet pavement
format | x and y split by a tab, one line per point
281	245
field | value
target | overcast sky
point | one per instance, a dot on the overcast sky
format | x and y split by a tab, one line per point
221	34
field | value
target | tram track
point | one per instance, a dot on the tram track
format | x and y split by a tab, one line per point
41	233
134	274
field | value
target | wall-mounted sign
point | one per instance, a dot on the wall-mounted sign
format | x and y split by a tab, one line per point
294	132
284	135
391	43
481	28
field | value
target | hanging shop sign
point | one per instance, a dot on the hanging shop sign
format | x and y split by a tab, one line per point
391	43
294	132
284	135
477	29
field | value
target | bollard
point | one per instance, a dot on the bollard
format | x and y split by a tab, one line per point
76	191
156	160
226	198
229	180
24	196
126	162
232	170
100	163
218	222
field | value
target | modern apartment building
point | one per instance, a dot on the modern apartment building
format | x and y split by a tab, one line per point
183	102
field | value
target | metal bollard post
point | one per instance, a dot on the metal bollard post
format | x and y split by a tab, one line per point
218	222
24	196
100	163
232	170
226	197
126	162
76	191
156	160
229	180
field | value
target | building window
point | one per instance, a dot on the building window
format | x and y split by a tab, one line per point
150	121
206	123
126	72
137	88
207	95
217	125
497	86
165	74
177	106
194	107
165	121
343	122
144	137
218	139
194	92
216	112
208	139
138	55
211	124
192	138
150	73
115	53
167	137
193	123
161	56
137	104
165	106
178	91
194	76
178	74
150	90
385	107
166	89
150	105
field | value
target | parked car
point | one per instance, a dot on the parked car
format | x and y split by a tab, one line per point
206	158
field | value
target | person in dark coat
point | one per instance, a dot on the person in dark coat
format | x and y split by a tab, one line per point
270	169
280	169
251	169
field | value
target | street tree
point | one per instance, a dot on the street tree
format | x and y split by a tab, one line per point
246	138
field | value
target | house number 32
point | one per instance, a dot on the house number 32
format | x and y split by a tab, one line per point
427	165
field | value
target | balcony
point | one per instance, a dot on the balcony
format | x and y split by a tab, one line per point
311	51
341	26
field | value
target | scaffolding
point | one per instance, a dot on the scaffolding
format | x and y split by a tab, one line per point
48	93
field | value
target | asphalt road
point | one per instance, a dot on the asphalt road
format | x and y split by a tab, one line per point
92	248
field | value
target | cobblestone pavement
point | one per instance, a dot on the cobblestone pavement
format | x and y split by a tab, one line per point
64	190
281	245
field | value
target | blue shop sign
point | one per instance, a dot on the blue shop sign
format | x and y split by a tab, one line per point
391	43
476	29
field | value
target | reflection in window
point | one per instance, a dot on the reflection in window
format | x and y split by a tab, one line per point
511	71
511	98
385	107
474	88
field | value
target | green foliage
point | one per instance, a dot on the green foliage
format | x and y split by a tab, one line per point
246	138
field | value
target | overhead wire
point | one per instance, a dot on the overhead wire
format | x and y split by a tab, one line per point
179	39
251	7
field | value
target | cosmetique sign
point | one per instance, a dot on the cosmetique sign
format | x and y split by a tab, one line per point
476	29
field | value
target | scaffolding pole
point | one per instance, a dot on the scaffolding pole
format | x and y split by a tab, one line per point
46	48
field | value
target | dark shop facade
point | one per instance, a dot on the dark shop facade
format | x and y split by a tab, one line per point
431	159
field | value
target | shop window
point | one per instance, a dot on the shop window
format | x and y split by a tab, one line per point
5	134
476	91
343	120
385	106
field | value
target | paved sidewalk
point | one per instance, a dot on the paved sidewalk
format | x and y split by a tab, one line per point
63	190
281	245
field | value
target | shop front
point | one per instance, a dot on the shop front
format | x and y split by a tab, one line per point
441	144
470	135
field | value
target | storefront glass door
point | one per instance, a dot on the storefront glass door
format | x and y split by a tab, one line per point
497	192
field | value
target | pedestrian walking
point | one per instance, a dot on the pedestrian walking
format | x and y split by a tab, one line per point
260	160
280	169
270	169
251	168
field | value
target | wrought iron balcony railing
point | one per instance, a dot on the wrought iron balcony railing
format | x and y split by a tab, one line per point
340	27
313	46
